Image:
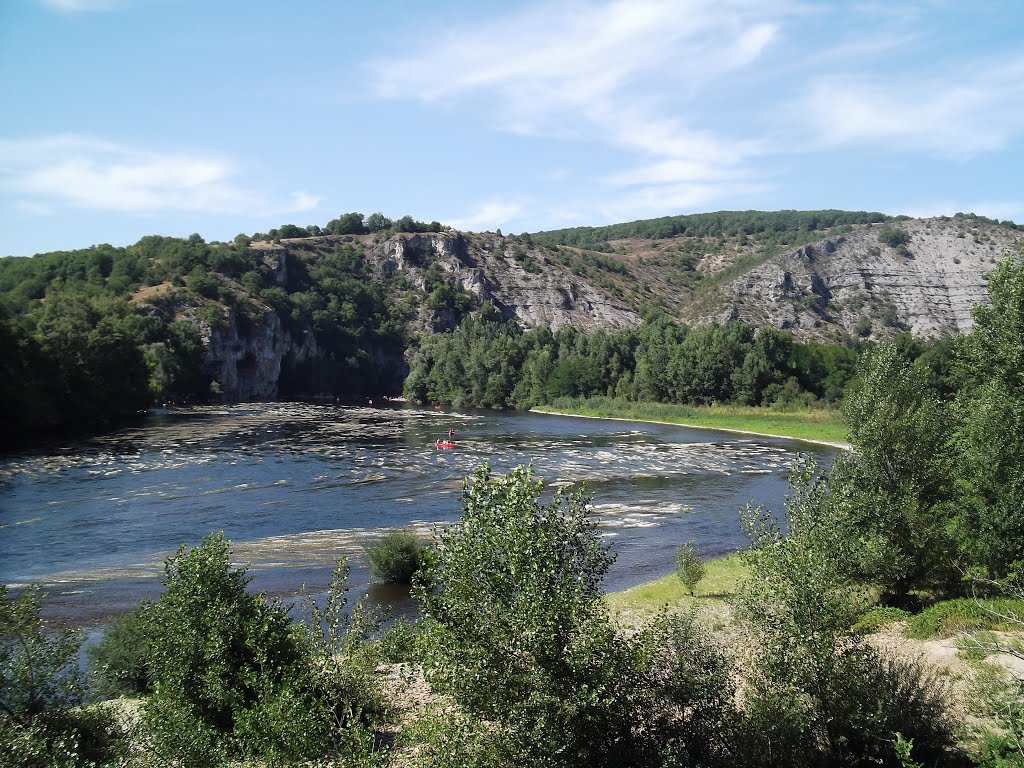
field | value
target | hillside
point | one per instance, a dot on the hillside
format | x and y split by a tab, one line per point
348	311
873	279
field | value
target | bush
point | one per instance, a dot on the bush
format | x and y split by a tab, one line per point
41	720
397	643
878	617
818	695
893	237
119	662
516	632
234	676
395	557
689	566
855	709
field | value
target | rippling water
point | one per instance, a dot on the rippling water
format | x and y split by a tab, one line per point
293	486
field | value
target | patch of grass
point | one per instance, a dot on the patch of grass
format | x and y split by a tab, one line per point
819	424
997	614
878	617
721	575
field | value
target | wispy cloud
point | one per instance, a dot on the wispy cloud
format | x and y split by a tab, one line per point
79	6
959	114
91	173
600	71
489	215
648	78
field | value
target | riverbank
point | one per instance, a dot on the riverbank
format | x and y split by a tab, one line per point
820	426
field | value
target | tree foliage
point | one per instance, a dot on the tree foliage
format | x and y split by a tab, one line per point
819	695
233	675
516	632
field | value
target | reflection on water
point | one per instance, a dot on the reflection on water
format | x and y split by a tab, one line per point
294	486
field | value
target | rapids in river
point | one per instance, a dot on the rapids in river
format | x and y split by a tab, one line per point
294	485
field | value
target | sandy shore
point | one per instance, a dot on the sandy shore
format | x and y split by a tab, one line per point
829	443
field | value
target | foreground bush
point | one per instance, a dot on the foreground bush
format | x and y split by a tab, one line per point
515	631
42	722
233	676
819	695
119	662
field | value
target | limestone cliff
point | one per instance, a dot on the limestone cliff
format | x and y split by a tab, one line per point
920	275
523	283
246	357
857	283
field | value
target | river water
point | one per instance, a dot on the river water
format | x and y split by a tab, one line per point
293	486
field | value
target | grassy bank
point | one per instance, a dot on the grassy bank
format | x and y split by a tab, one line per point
721	576
817	424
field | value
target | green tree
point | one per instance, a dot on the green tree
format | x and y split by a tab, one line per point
514	627
818	694
515	630
41	688
232	674
990	437
689	566
378	222
897	479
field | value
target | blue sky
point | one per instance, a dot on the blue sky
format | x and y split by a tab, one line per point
131	117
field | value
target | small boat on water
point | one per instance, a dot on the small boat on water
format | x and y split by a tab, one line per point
444	444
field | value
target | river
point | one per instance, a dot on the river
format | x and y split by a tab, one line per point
295	485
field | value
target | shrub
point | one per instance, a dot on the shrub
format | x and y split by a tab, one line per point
689	566
41	720
853	707
119	662
515	630
966	614
817	694
878	617
395	557
234	676
893	237
397	643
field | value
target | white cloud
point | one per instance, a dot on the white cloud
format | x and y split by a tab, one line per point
101	175
487	216
79	6
703	96
617	72
655	200
958	114
303	201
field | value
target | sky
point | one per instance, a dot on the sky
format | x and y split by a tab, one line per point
124	118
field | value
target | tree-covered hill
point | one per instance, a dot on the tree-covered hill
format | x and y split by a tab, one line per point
366	305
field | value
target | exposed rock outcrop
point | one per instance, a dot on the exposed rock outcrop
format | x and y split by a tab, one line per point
856	283
246	356
494	268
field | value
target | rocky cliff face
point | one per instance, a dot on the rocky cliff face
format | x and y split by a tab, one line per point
246	356
858	284
522	283
849	283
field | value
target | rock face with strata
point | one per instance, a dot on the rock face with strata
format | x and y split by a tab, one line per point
495	269
852	283
856	283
